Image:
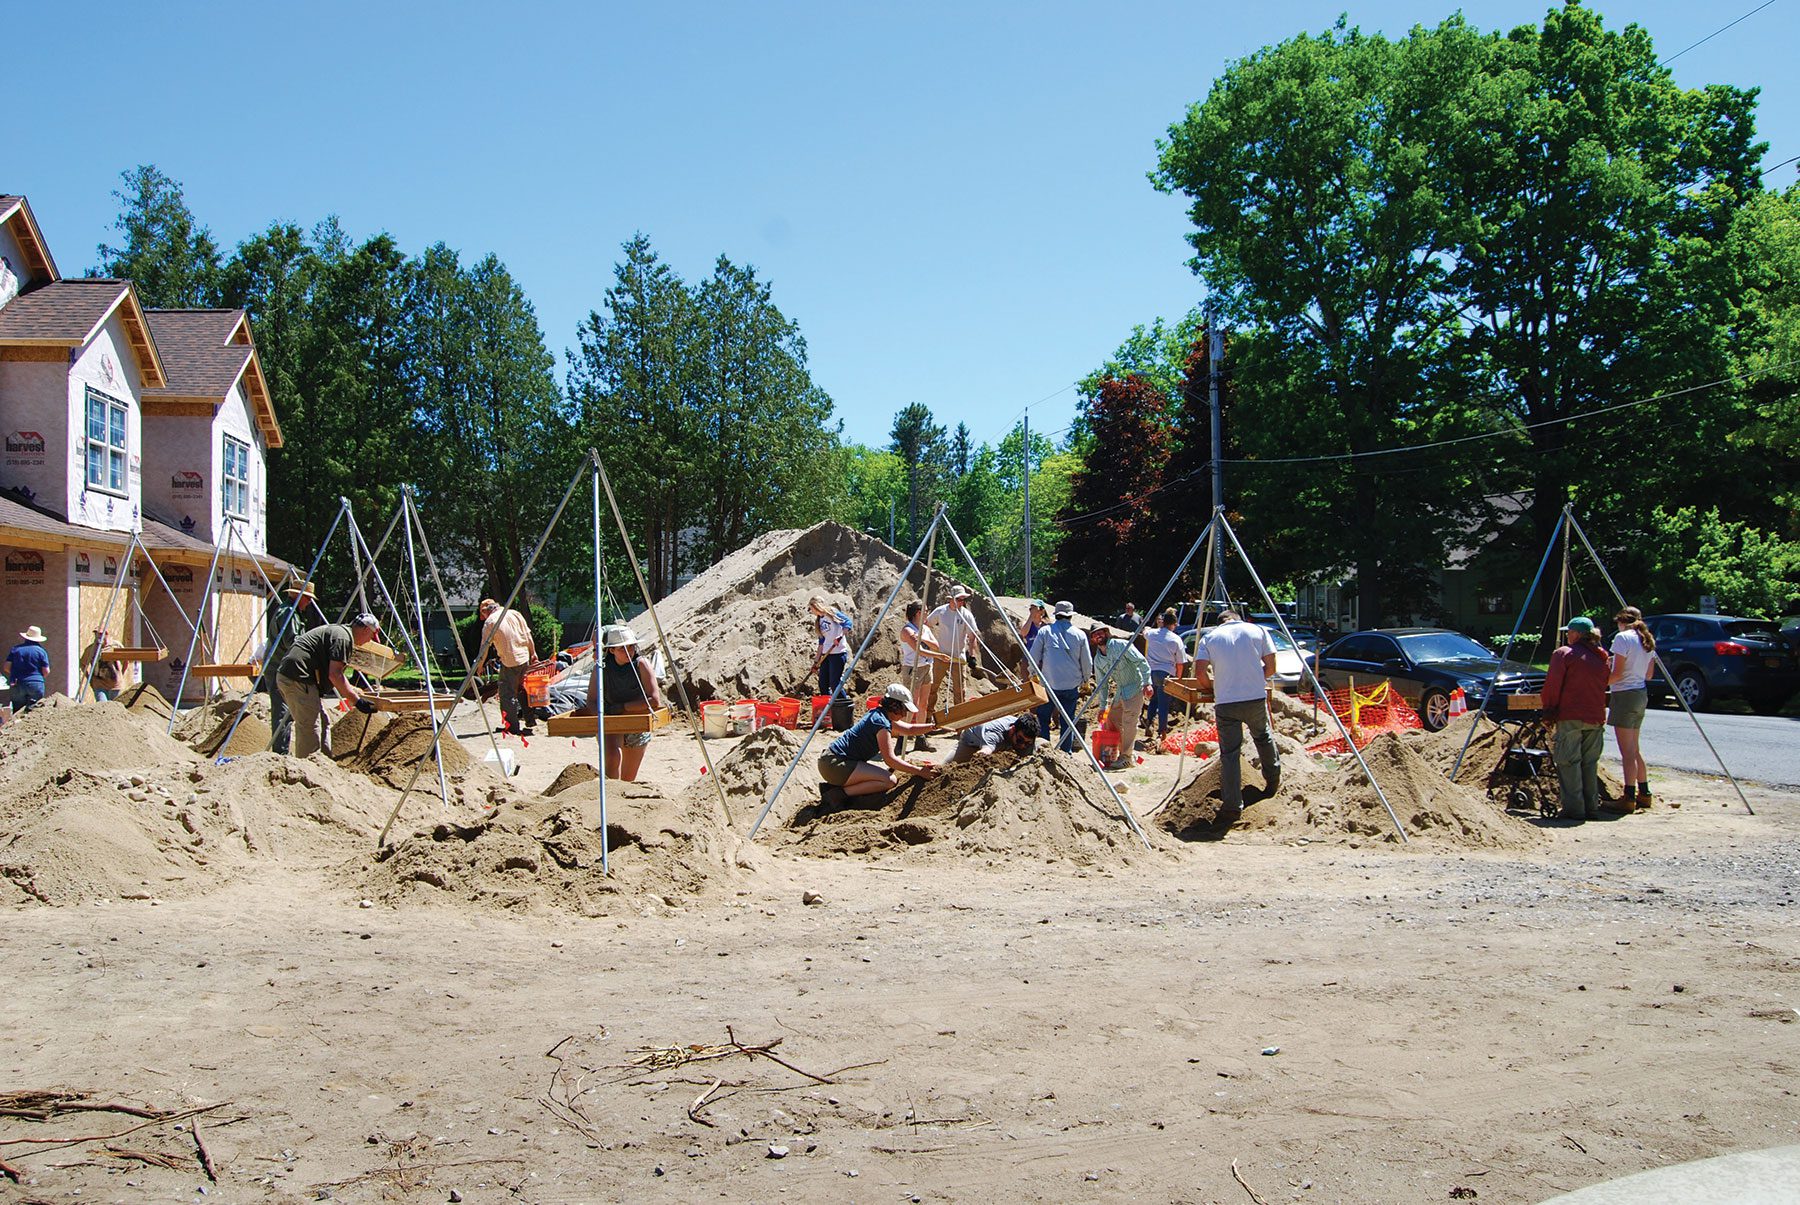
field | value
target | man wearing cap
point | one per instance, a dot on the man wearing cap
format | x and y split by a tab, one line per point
107	676
1236	660
1123	676
284	623
954	624
1065	663
1575	700
516	650
26	666
862	760
317	660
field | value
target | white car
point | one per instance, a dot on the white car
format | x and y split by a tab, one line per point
1290	672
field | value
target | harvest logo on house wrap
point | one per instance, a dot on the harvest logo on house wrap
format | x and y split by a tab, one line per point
83	565
186	481
24	448
178	575
110	566
24	568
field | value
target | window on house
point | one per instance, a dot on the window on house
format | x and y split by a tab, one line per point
106	444
237	477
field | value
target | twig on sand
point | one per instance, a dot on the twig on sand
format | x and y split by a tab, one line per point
1239	1177
693	1110
206	1163
154	1158
179	1115
9	1171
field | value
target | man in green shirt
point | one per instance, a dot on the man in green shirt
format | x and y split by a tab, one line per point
1127	676
316	660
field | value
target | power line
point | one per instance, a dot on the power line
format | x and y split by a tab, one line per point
1715	33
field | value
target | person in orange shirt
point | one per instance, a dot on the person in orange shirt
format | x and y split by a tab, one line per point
515	649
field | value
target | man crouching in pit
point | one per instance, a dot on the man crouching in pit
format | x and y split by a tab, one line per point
1016	733
862	761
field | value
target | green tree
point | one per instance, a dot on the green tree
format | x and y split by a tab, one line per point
918	439
766	439
634	382
171	259
1111	538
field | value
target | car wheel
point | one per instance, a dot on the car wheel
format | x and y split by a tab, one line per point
1434	709
1692	685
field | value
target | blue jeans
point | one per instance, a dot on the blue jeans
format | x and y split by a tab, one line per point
831	671
102	695
1159	702
24	698
1070	700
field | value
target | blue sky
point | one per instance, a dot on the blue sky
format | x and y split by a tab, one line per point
950	199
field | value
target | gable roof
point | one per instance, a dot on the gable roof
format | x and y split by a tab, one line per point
16	212
206	353
69	313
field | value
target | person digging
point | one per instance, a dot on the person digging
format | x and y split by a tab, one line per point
862	761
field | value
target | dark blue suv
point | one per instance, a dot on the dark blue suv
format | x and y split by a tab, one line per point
1723	657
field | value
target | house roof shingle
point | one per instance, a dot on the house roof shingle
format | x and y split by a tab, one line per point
18	516
206	353
16	211
68	313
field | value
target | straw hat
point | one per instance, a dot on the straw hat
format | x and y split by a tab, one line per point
618	637
300	590
961	592
33	633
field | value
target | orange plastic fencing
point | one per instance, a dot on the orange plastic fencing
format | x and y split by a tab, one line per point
1367	711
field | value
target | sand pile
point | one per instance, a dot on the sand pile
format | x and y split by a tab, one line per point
573	775
749	771
388	747
741	629
1041	808
96	802
1484	766
145	698
204	728
544	854
1329	799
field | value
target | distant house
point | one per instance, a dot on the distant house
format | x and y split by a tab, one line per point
119	419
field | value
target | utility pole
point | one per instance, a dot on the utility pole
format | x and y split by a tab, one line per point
1215	351
1026	454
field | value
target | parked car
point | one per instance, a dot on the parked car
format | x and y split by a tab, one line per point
1289	669
1724	657
1306	636
1425	665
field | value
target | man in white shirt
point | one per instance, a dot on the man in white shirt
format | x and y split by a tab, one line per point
954	624
1167	653
516	650
1237	659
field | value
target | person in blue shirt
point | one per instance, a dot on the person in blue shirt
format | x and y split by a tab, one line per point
862	760
1065	663
26	666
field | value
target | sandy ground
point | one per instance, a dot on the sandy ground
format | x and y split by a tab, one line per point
1337	1023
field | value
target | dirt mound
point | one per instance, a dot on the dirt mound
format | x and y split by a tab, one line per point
59	735
742	629
179	828
573	775
1331	800
389	746
205	727
545	854
750	771
145	698
1041	807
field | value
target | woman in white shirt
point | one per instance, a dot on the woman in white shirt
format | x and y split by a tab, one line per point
1627	696
918	645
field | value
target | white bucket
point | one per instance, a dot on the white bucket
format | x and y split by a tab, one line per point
713	720
742	717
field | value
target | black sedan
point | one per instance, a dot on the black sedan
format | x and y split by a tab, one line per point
1425	665
1724	657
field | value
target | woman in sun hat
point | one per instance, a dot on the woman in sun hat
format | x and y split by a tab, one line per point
862	760
625	684
26	666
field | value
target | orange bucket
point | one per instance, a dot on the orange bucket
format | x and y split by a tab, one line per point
768	715
1106	744
820	704
787	712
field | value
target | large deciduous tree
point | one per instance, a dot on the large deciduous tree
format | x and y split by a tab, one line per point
1112	539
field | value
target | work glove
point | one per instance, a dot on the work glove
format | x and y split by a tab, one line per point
365	706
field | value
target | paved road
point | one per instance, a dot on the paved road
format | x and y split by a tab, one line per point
1757	747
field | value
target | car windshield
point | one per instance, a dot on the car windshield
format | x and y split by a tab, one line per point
1751	627
1425	647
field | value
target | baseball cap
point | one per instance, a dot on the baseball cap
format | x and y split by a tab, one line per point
900	694
1582	624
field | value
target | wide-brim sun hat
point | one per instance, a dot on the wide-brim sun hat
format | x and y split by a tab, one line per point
618	637
33	633
900	694
1065	609
962	592
299	590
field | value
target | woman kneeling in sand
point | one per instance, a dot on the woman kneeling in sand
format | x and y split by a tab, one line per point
862	761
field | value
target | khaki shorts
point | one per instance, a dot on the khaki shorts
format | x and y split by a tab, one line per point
834	769
1625	708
